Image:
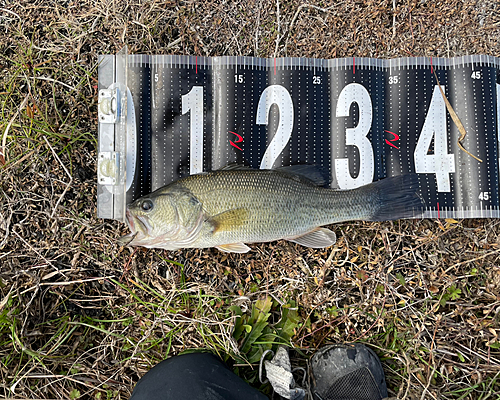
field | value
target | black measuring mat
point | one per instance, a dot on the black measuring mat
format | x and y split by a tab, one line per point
357	119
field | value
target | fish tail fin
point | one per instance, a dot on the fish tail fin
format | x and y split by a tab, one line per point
397	198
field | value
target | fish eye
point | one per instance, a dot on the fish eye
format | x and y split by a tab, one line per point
147	205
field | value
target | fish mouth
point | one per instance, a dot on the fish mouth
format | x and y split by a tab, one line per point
127	239
138	225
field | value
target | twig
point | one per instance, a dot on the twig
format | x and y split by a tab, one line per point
11	12
174	43
393	19
4	301
10	166
34	250
278	38
67	173
4	138
43	78
376	320
409	376
472	260
301	7
126	269
456	120
257	25
53	49
294	19
75	281
489	360
327	265
426	389
6	224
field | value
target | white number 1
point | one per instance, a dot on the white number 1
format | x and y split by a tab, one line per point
193	101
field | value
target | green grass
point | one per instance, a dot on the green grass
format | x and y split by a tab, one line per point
47	106
388	285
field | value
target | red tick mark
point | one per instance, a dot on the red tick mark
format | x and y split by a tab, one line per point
432	69
396	137
354	65
438	209
240	139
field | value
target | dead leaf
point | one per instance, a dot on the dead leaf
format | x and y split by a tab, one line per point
433	289
456	120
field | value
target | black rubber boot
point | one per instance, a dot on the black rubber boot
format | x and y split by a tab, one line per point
347	372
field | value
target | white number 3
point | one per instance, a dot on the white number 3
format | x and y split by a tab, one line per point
356	93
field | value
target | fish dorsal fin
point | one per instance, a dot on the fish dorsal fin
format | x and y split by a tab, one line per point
234	248
228	220
310	172
235	166
317	239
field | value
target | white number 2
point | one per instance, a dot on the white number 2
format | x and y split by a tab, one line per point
440	163
275	94
356	93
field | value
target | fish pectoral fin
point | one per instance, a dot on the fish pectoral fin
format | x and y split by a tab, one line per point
234	248
317	239
228	220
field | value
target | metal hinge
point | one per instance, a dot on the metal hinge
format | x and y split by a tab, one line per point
109	106
108	166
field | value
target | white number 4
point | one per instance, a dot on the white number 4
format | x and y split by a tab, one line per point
441	163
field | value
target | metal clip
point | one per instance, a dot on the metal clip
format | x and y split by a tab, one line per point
108	164
109	107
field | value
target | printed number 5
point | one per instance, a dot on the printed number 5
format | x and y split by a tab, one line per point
356	93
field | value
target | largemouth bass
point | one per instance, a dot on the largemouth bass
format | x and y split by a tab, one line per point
231	207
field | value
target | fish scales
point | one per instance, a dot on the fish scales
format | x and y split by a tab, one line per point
279	205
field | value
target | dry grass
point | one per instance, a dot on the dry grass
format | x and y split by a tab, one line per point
425	294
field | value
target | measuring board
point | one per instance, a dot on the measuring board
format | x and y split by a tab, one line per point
358	119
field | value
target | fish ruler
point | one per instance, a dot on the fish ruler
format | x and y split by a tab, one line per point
359	120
